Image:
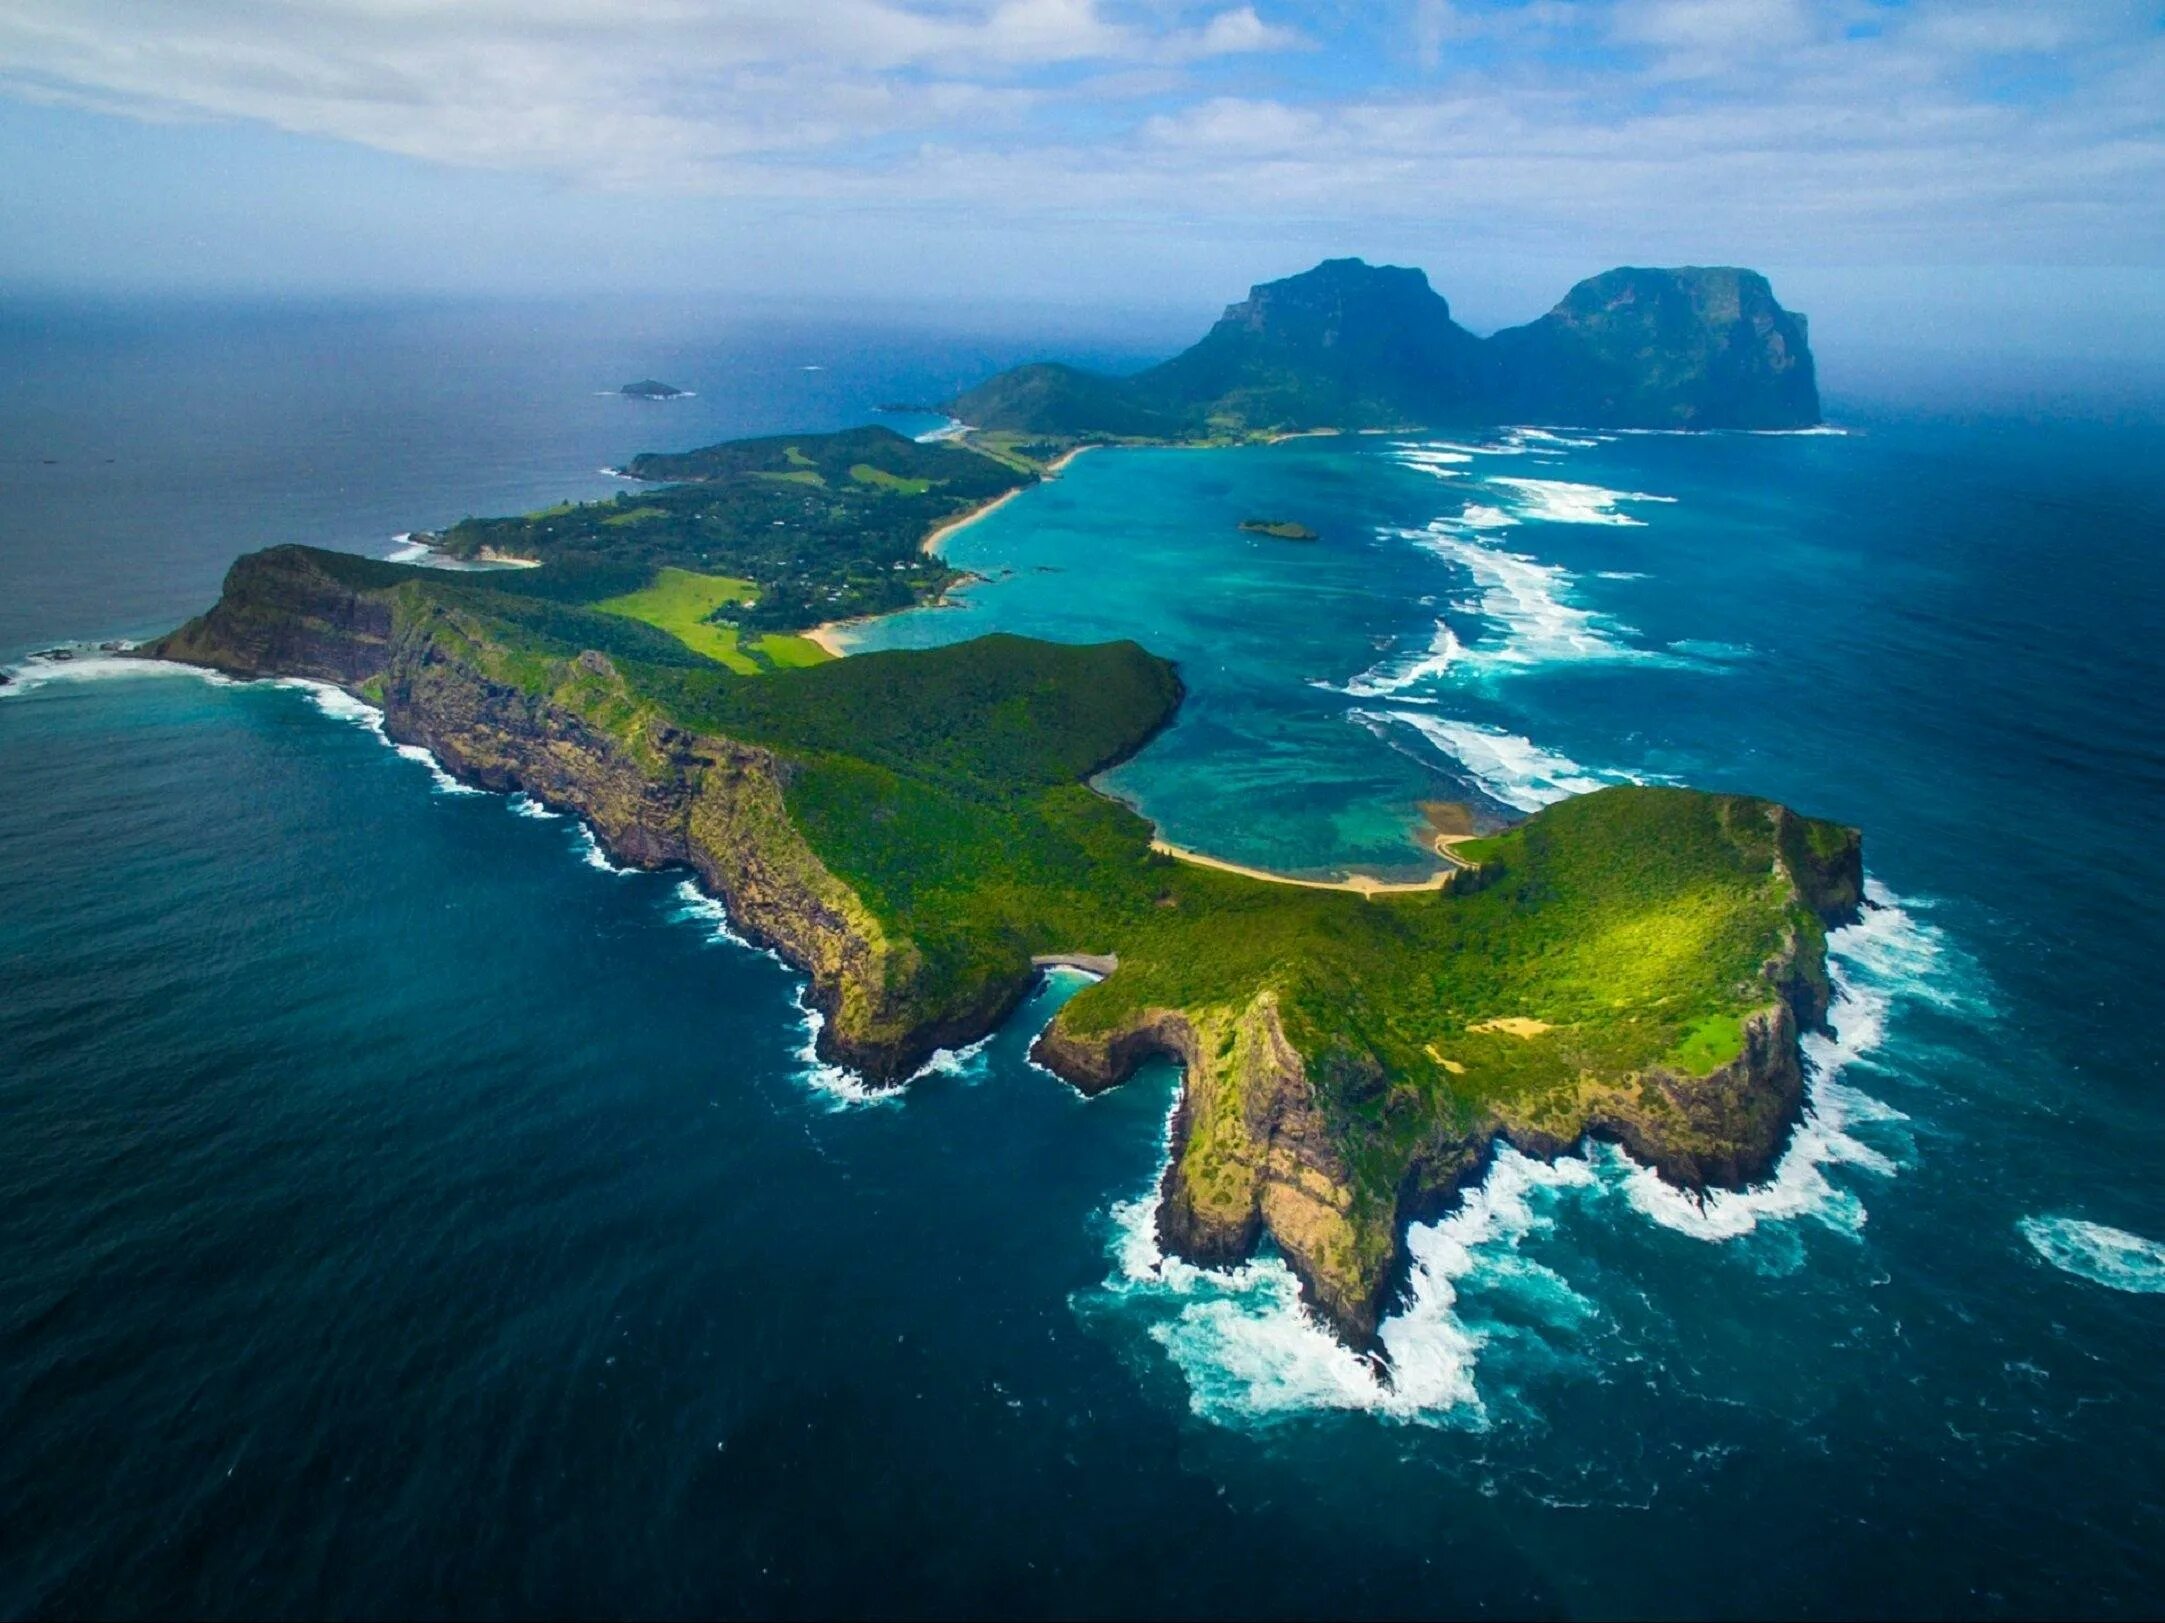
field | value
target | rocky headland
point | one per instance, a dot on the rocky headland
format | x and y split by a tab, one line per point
916	834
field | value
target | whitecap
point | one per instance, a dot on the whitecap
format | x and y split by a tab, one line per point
1441	464
340	705
1250	1351
1528	601
593	855
523	805
694	906
1512	768
2104	1256
1886	955
405	549
843	1087
1548	437
1558	501
42	670
963	1061
1397	674
1722	653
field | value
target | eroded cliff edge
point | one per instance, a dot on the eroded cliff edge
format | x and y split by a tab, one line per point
911	830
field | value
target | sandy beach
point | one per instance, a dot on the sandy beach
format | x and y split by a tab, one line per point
1360	884
828	636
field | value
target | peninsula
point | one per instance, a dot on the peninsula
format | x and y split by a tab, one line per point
912	830
918	834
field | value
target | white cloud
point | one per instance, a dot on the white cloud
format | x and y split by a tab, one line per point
1732	128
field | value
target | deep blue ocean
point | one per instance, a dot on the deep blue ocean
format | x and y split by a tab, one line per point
403	1212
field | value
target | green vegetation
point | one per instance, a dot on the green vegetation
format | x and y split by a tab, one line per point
823	526
865	474
913	828
686	605
1349	345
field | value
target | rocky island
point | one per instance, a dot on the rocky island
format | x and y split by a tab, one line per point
1278	529
917	833
1350	345
652	389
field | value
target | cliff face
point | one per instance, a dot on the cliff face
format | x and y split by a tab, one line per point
1349	345
654	794
1350	1064
1688	348
1258	1148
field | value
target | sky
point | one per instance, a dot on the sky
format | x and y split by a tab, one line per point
1912	168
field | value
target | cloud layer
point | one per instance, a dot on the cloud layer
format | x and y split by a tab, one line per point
1845	131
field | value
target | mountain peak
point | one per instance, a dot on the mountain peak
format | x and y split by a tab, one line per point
1349	345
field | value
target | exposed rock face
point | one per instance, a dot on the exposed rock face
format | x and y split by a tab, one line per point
1268	1117
1254	1151
654	795
1347	344
1688	348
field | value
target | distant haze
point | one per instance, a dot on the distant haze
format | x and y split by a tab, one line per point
1937	177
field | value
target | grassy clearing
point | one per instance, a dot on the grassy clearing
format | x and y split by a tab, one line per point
681	602
865	474
635	515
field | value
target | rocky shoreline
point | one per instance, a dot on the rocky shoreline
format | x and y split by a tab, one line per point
1259	1141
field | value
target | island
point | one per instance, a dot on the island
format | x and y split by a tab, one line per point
1278	529
652	389
1348	346
918	834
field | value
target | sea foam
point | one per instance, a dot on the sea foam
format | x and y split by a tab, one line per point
340	705
2104	1256
1403	671
591	853
40	671
1510	767
1887	955
843	1088
1530	603
694	906
1558	501
1251	1353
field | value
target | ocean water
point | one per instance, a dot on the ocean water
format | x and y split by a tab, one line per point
401	1210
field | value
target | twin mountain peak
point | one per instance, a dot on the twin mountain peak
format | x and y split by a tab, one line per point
1349	345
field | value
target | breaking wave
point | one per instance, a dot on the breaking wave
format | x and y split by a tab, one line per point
843	1087
591	853
694	906
1511	768
103	665
2104	1256
1558	501
1529	602
340	705
1397	674
1251	1353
